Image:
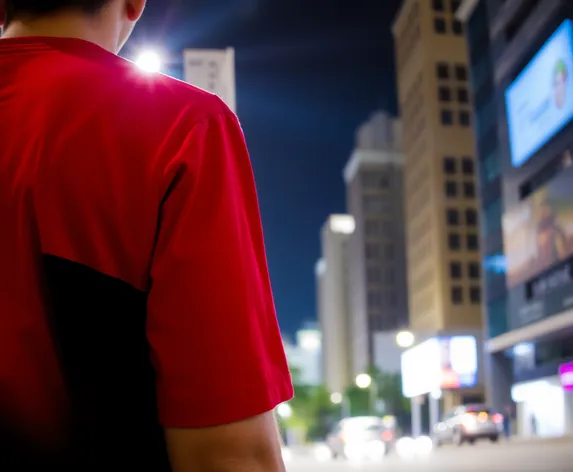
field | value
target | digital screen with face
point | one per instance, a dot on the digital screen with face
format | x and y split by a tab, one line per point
539	102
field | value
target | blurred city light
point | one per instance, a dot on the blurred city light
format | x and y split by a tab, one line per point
336	398
424	445
363	381
437	394
284	410
405	339
149	61
405	447
322	453
287	454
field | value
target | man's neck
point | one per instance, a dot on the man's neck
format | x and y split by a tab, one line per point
63	25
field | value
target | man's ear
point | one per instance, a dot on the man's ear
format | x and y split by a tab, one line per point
134	9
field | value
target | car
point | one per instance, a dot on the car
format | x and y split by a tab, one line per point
468	423
362	437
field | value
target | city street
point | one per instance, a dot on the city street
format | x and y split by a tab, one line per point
554	456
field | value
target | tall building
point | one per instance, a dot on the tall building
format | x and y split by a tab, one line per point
439	168
333	307
212	70
376	250
521	54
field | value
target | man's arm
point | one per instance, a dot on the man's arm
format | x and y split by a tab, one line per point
251	445
216	346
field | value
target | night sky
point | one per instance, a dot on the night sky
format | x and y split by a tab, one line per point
308	73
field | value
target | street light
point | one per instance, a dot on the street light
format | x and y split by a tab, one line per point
149	61
336	398
363	381
405	339
284	410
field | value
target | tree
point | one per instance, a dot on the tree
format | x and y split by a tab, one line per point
389	387
312	410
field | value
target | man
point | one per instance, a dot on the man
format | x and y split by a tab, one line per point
137	326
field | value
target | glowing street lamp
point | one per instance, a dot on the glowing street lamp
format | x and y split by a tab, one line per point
405	339
336	398
363	381
149	61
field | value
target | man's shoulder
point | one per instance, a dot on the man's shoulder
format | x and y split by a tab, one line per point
153	99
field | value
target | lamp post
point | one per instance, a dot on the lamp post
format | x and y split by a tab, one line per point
405	339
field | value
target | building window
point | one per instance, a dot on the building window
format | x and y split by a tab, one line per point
452	217
474	270
374	299
471	217
446	117
375	180
442	70
455	6
469	190
372	251
454	242
373	275
440	25
490	167
457	27
444	94
461	72
463	96
468	166
372	227
473	243
438	5
375	204
457	295
475	295
465	119
451	189
492	216
449	165
456	270
387	228
390	276
389	252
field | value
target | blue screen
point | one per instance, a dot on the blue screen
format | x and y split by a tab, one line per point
539	102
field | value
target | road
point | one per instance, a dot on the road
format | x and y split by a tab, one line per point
556	456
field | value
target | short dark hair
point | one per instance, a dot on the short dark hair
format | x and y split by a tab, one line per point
38	8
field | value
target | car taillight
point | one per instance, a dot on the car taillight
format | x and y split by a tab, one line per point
387	436
497	418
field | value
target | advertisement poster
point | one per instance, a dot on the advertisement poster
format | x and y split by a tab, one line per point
538	233
459	362
539	103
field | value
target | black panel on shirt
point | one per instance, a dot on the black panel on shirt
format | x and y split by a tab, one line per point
99	329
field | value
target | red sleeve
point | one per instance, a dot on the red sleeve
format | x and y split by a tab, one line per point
212	327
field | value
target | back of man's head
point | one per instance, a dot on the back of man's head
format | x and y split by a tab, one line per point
32	9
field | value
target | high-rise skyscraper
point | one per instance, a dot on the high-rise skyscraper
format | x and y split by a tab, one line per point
212	70
442	228
376	250
440	173
332	297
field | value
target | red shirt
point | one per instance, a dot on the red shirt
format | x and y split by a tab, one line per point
134	289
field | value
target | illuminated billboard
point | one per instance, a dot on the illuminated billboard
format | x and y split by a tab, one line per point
539	102
538	233
440	363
